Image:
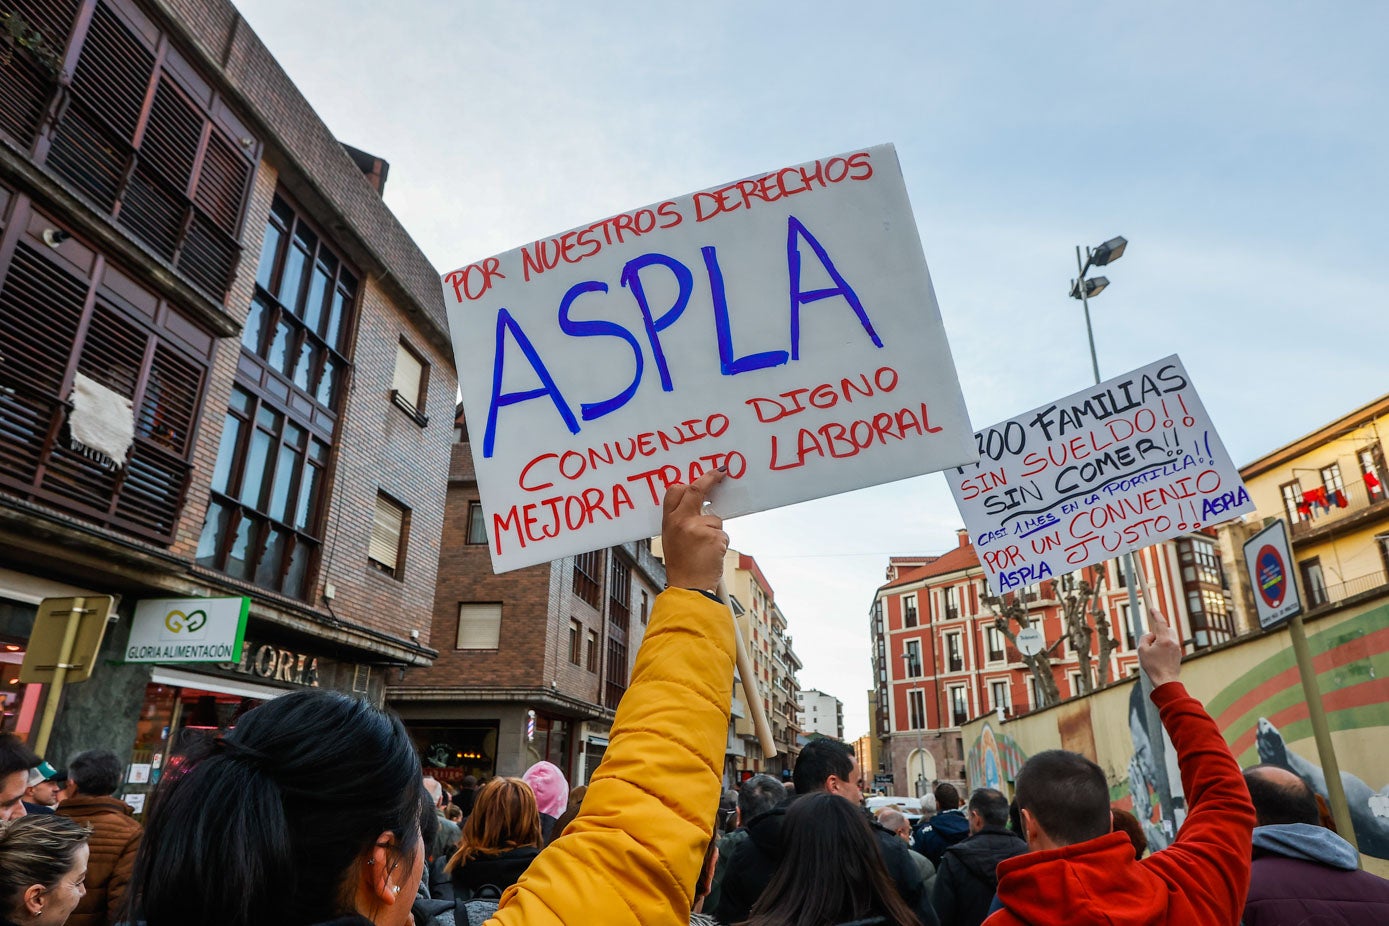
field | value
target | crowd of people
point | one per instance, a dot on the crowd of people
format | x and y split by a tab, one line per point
314	809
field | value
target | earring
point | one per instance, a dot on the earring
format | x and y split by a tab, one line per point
396	888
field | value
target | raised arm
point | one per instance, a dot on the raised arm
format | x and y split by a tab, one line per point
634	852
1210	859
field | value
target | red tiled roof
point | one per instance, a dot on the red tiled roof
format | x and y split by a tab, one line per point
954	561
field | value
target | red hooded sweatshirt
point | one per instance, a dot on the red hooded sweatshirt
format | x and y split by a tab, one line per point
1199	880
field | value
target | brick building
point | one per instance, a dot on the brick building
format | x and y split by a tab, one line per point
224	372
553	644
939	661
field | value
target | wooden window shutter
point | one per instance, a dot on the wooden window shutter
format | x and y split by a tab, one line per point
479	626
386	529
408	374
28	84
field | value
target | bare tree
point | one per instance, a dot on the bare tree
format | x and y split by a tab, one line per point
1084	620
1010	610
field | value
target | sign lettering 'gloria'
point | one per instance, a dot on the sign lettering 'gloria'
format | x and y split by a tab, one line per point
782	326
1121	466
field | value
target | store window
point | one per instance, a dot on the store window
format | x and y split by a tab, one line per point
449	752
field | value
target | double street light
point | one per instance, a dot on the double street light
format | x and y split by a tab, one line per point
1083	289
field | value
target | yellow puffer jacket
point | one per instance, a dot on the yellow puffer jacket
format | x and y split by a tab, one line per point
634	852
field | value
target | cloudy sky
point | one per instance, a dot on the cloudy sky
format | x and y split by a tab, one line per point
1240	147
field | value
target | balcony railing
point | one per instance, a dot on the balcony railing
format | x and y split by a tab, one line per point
1319	595
1359	502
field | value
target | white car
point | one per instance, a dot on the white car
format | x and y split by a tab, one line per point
911	807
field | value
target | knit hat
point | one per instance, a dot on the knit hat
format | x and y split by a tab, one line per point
550	787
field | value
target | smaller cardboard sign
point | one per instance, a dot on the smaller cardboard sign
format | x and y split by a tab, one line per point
1268	557
188	630
1117	467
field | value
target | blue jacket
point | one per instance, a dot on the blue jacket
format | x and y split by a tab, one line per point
945	829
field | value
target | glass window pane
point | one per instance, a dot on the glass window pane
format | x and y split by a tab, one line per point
328	383
333	324
319	451
272	560
318	288
269	248
285	473
303	370
257	461
214	529
268	418
240	557
241	400
278	355
295	265
253	335
308	497
231	437
298	568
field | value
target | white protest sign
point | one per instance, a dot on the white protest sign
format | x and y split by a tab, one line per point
782	326
1114	468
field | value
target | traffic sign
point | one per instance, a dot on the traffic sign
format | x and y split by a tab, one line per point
44	655
1268	558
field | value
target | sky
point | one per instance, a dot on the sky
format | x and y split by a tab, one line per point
1241	147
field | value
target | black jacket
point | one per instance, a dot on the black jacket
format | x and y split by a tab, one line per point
968	875
502	871
755	860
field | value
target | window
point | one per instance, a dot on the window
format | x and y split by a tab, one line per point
998	697
993	643
143	137
1292	502
955	661
479	626
576	642
264	520
916	709
615	682
1373	472
477	523
913	658
619	593
64	324
409	382
1331	482
593	651
959	706
1075	683
1314	582
645	607
952	602
588	572
388	532
909	611
1032	699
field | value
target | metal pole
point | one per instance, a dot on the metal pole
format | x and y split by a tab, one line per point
60	674
1089	332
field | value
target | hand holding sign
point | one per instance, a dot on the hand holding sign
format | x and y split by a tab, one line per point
1160	650
693	543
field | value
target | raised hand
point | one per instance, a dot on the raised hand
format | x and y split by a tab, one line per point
692	542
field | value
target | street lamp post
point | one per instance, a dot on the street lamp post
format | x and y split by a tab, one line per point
1083	289
920	782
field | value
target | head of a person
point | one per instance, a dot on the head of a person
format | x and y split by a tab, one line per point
1063	799
828	765
15	761
1280	797
759	794
42	790
96	773
504	817
43	864
987	807
435	791
831	870
1128	824
453	813
309	809
469	783
895	821
947	798
576	804
550	787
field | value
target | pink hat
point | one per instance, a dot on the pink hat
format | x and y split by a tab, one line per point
550	787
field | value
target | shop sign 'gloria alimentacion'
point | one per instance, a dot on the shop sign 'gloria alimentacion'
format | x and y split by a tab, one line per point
188	630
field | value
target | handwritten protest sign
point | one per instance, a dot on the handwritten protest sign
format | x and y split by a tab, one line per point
1120	466
782	326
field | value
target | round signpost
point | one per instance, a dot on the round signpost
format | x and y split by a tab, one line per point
1030	641
1272	574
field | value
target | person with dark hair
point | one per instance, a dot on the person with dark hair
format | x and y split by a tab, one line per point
824	766
576	803
93	777
1127	823
16	760
831	870
1302	872
1080	872
466	794
948	827
968	873
756	796
43	860
307	811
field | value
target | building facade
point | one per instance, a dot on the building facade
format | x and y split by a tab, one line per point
820	713
532	663
224	373
939	660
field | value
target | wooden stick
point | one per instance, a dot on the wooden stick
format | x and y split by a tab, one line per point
760	725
